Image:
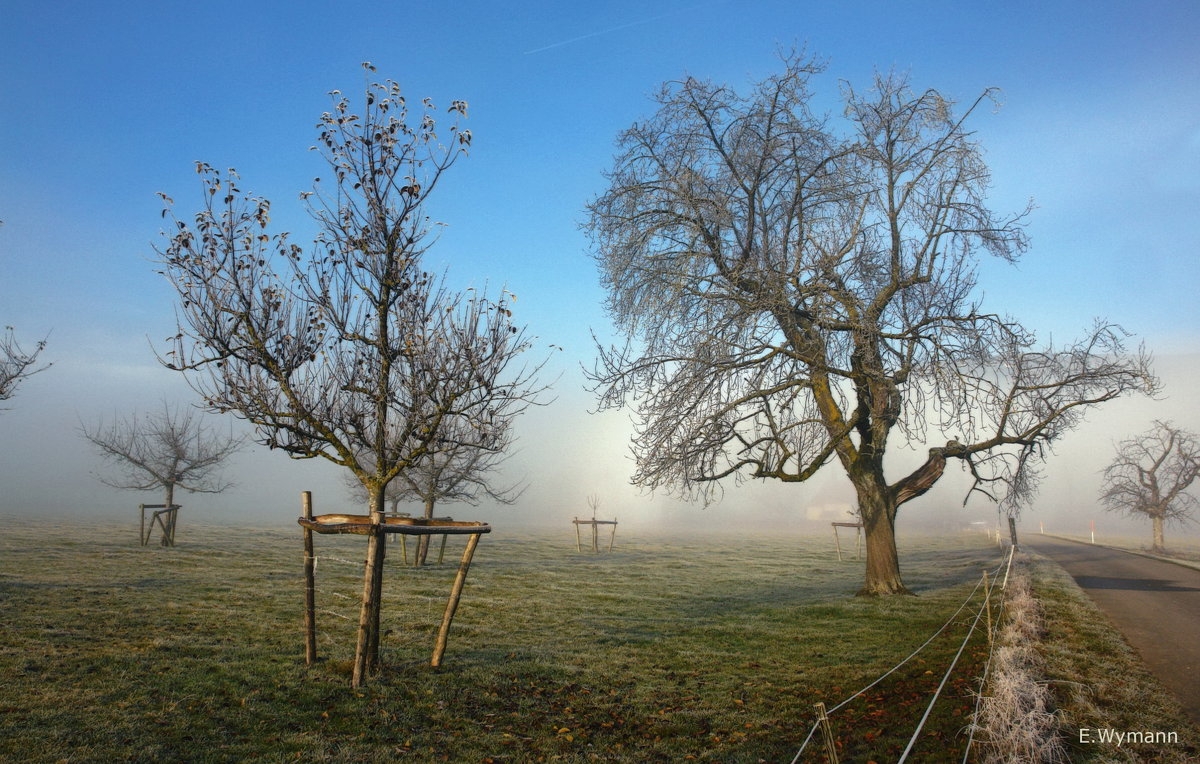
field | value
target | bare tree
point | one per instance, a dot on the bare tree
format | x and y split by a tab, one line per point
793	295
16	364
164	450
460	465
1150	477
348	352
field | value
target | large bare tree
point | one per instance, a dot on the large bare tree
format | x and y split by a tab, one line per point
164	450
16	364
1150	477
349	351
796	293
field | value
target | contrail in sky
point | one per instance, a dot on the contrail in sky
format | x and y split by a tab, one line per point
622	26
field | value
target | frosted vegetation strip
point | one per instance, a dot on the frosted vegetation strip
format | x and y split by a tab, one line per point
983	683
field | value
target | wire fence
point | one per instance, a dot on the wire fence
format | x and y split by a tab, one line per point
990	581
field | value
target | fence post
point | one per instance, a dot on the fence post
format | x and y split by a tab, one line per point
310	585
1012	530
827	733
987	601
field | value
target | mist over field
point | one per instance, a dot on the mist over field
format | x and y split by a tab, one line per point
565	453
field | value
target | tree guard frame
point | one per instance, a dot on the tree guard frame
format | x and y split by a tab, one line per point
857	538
168	526
595	533
361	525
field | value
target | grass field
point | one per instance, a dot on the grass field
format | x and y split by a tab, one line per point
666	650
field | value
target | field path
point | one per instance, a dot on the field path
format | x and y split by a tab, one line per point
1155	604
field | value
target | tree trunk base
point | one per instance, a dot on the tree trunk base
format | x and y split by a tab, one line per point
877	591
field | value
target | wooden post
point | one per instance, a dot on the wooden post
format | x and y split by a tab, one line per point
310	585
172	520
404	549
837	542
987	600
1012	530
142	533
595	537
578	543
613	537
439	647
442	551
827	733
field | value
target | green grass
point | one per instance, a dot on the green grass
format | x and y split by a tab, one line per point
666	650
1099	681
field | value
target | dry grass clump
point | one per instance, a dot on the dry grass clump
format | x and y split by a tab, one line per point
1016	721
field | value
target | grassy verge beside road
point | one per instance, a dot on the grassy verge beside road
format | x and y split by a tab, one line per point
1099	682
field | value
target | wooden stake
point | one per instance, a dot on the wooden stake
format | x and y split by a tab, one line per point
442	551
838	543
578	543
827	733
310	585
142	533
613	537
987	599
439	647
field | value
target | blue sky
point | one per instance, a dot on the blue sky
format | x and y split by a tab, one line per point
105	105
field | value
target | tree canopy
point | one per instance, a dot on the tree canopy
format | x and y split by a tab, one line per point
797	291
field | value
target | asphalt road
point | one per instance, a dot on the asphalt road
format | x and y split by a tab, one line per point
1155	604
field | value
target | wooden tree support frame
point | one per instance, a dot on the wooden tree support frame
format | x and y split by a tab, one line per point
595	533
361	525
166	517
417	561
857	538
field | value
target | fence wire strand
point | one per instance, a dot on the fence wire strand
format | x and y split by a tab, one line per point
1006	566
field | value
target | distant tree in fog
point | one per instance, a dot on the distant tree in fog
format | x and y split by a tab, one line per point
1150	477
454	470
16	364
164	450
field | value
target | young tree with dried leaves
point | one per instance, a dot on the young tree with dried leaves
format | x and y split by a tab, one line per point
461	464
16	364
1150	477
796	294
349	351
163	451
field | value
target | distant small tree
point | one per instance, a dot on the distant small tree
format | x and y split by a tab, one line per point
1151	475
460	467
165	450
16	364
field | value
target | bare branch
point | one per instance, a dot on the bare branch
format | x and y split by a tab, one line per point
16	364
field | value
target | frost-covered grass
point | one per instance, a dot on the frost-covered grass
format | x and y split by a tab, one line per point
668	649
1017	723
